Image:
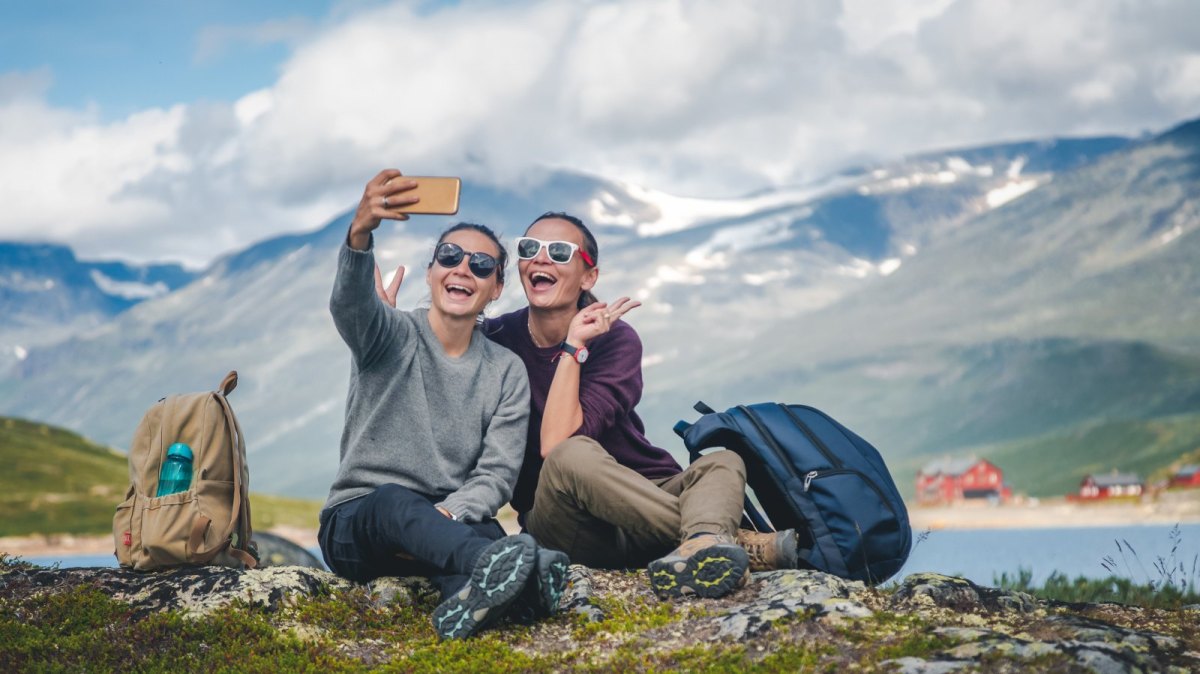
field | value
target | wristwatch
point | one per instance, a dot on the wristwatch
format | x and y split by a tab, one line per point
580	355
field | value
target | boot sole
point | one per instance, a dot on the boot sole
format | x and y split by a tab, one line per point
541	599
711	573
552	579
497	579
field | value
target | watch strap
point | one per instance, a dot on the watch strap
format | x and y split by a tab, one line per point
571	351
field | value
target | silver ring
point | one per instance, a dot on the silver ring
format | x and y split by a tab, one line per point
385	202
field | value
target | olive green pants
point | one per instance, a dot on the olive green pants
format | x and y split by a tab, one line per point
608	516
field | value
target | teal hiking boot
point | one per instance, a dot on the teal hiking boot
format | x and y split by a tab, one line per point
708	565
542	594
500	574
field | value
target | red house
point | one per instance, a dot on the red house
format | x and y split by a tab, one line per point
963	479
1188	476
1113	484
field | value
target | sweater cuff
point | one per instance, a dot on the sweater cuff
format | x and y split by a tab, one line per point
461	510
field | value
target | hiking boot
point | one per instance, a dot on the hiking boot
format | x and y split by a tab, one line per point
776	550
708	565
544	589
500	574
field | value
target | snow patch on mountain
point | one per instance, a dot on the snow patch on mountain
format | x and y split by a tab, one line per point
889	265
129	290
766	278
1170	235
1009	191
22	283
678	213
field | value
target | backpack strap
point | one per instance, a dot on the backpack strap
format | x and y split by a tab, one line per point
711	430
239	521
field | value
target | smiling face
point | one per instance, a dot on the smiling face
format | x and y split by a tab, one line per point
456	292
555	286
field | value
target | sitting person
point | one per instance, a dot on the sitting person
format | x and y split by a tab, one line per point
592	484
436	420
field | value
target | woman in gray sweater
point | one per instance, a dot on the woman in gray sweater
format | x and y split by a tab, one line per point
435	429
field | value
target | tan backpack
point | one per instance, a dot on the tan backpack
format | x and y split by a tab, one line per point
209	523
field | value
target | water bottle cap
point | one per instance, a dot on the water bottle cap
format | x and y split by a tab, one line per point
180	449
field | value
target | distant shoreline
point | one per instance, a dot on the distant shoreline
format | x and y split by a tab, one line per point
1181	507
1169	508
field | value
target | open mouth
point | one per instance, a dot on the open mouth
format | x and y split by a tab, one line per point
461	292
539	280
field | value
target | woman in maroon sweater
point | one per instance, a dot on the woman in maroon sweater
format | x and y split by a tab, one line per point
592	485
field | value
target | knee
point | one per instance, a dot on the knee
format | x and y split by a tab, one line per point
723	461
571	459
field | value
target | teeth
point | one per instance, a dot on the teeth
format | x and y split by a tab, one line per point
538	276
456	287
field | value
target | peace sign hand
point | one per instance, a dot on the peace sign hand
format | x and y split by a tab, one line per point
388	294
596	319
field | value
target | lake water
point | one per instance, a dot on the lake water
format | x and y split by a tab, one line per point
982	555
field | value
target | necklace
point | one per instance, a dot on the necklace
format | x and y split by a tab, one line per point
533	337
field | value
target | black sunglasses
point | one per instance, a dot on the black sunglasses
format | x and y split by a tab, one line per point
450	255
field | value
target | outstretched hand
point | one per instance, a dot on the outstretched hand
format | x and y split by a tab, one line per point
596	319
388	294
383	194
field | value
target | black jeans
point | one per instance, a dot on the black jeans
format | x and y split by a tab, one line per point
377	534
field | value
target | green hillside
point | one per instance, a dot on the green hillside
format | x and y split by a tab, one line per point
1054	464
60	482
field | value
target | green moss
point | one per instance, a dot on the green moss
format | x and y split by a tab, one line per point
489	652
624	616
912	644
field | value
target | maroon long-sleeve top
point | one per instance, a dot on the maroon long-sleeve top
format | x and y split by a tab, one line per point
610	386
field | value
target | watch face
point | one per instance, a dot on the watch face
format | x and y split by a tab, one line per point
581	355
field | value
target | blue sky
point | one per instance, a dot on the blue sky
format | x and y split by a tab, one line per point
184	130
127	56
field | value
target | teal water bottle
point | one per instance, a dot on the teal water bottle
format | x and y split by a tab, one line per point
176	474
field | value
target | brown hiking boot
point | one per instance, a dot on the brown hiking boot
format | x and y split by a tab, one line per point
767	552
708	565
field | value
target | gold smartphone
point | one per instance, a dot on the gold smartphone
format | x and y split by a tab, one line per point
439	195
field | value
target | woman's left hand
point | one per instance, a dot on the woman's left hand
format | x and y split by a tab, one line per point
388	294
596	319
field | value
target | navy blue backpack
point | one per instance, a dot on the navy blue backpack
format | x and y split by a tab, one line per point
814	475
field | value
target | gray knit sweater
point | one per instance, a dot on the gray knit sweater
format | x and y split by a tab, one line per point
450	428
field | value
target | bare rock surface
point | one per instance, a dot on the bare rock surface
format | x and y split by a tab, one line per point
928	623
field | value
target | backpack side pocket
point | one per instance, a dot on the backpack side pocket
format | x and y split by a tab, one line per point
165	527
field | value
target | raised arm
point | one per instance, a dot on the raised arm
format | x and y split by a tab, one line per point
585	399
362	321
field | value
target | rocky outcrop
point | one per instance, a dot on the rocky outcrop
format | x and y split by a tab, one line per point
929	623
1044	633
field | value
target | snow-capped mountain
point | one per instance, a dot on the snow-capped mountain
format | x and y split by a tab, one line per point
743	298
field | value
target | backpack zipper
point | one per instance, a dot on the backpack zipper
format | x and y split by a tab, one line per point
771	441
849	471
812	437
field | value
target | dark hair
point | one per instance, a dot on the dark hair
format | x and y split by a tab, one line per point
501	260
589	244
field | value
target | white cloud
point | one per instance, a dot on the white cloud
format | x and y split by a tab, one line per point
707	98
